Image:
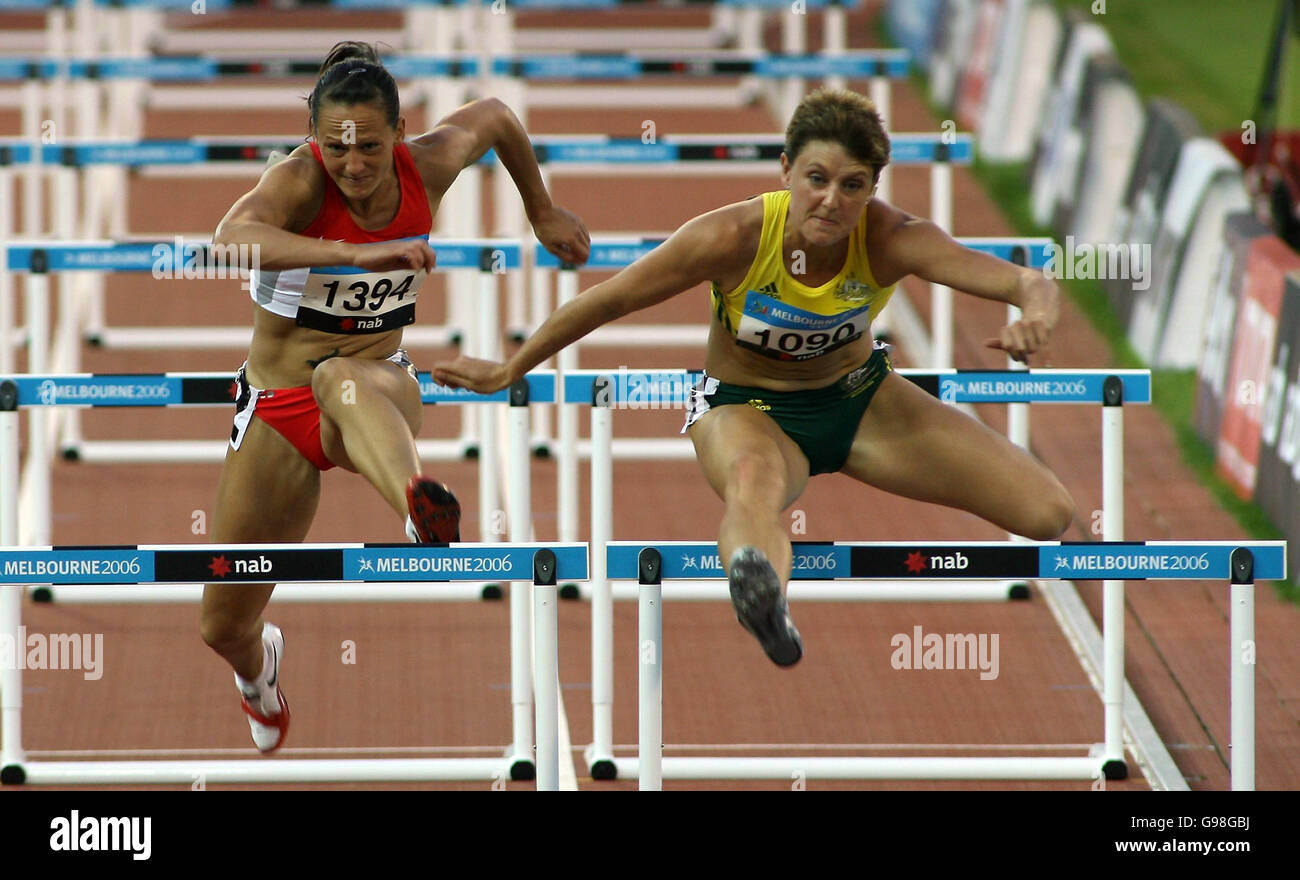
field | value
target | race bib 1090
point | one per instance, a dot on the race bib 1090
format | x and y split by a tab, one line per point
779	330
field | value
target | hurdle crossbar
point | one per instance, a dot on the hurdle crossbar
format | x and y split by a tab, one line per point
1239	563
539	564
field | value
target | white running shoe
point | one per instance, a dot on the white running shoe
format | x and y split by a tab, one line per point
269	724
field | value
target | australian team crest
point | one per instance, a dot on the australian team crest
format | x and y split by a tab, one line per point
854	292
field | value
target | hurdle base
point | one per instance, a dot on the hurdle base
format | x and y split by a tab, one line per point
240	771
601	766
1115	769
895	768
523	770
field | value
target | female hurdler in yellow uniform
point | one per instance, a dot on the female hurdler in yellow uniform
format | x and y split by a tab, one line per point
794	384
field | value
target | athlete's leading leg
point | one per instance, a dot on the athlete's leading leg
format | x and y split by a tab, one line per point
758	471
370	414
913	445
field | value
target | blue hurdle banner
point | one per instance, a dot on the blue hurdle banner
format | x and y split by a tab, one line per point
1135	560
622	388
617	252
1031	386
201	68
314	4
181	258
640	4
632	65
655	389
905	149
282	563
893	63
212	389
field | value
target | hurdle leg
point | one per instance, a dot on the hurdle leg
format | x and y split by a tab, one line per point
1242	663
566	360
546	664
539	308
650	627
11	597
1112	502
941	296
600	755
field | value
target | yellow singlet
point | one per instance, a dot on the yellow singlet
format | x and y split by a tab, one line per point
773	314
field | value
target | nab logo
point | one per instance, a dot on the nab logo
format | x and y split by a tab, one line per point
371	324
955	561
220	566
917	563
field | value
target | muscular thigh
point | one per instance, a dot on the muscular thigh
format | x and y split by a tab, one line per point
725	436
354	387
351	382
267	494
911	444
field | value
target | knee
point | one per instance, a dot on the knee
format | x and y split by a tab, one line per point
1050	514
334	380
756	478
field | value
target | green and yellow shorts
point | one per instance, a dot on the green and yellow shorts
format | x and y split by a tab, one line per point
822	422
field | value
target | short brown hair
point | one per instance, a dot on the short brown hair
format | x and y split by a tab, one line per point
842	117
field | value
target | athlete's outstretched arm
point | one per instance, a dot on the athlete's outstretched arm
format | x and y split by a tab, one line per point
462	138
912	246
691	256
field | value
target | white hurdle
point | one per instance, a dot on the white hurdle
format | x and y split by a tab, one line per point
39	392
251	563
654	388
1240	563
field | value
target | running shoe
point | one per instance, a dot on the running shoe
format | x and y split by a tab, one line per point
434	512
761	607
269	728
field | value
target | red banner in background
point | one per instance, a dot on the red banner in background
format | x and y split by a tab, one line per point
1237	452
972	93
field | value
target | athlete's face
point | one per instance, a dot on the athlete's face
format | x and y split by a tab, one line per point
357	143
828	191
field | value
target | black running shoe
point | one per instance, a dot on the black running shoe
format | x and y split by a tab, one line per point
761	607
434	511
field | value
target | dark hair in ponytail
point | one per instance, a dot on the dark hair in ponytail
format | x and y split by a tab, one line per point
353	74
